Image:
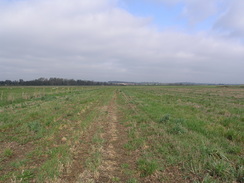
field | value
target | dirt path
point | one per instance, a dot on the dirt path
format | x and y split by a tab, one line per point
76	171
111	154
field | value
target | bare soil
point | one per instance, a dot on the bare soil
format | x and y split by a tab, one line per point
113	153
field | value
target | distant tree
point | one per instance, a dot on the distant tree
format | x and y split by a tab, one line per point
21	81
52	81
8	82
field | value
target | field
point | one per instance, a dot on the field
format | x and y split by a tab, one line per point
122	134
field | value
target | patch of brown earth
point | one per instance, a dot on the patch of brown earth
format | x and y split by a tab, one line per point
174	174
81	151
16	152
114	155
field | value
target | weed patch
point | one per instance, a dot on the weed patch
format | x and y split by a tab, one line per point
8	152
164	119
147	167
177	129
35	126
25	175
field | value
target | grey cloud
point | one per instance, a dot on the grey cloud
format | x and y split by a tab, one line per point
99	41
196	11
231	23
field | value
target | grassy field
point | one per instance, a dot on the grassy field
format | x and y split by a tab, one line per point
122	134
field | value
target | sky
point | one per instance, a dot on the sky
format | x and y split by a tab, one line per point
123	40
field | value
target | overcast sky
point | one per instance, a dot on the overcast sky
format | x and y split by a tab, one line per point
125	40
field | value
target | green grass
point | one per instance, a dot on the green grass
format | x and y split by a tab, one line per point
35	126
8	152
147	167
198	130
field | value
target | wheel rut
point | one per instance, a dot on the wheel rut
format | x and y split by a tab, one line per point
110	167
112	153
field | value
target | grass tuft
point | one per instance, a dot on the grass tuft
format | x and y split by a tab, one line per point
164	119
147	167
177	129
35	126
25	175
8	152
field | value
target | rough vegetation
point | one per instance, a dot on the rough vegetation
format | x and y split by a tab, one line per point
122	134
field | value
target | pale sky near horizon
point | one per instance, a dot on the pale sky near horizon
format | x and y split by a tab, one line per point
125	40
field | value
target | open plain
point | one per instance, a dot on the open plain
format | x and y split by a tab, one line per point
122	134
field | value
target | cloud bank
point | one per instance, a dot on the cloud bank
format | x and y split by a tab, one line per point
98	40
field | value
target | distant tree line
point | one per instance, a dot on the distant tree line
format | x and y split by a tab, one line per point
71	82
51	82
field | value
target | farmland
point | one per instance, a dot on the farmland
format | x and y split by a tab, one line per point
122	134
